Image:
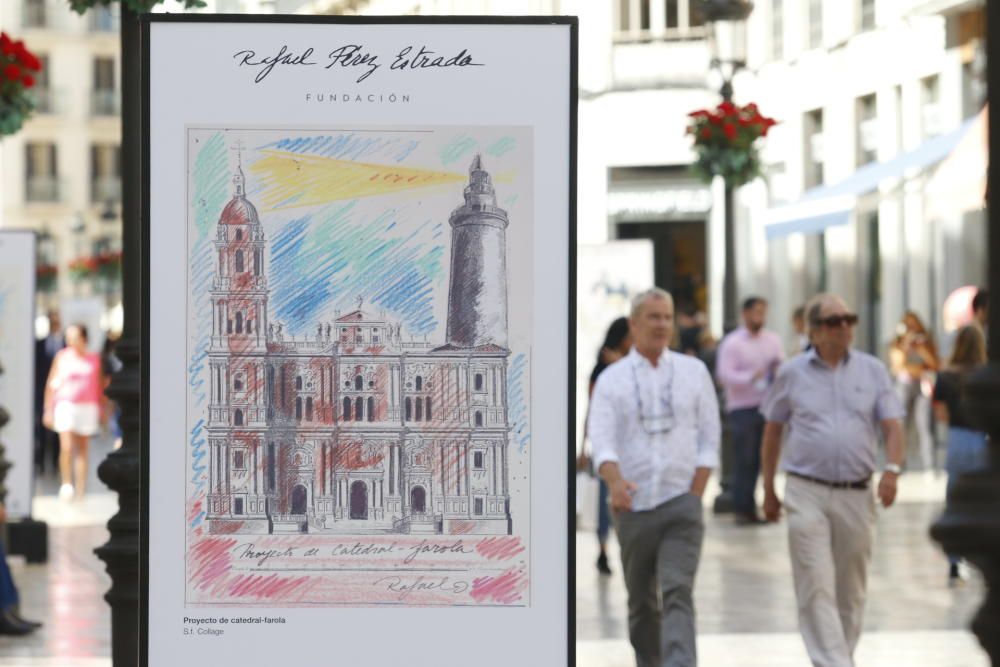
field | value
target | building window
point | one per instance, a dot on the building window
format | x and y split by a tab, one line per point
359	409
930	105
427	408
347	410
256	263
238	417
479	418
867	130
477	505
238	460
239	261
298	408
238	382
477	460
239	322
813	126
777	29
408	409
419	383
478	382
666	18
814	23
237	506
359	382
866	18
104	97
239	234
298	383
34	14
272	477
420	409
309	408
371	409
40	172
44	98
105	174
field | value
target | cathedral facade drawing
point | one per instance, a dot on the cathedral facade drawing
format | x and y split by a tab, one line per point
355	427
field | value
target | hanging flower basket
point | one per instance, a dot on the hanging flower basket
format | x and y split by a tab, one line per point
109	264
724	140
46	277
83	268
16	66
137	6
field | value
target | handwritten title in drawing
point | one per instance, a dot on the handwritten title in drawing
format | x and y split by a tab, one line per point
353	57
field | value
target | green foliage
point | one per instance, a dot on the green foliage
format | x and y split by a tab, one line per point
137	6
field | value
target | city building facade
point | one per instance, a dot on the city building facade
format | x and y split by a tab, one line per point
359	429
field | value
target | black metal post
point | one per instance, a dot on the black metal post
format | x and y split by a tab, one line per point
970	525
120	471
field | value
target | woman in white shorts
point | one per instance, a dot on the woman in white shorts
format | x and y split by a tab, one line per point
73	399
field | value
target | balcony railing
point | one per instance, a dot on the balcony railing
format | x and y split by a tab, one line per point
106	189
42	189
47	101
104	102
103	19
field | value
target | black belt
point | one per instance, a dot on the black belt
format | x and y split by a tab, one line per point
860	484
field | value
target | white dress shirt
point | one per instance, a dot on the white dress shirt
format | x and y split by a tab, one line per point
632	406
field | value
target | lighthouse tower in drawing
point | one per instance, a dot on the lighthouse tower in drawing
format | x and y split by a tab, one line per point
477	292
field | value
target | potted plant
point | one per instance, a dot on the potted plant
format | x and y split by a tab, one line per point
725	141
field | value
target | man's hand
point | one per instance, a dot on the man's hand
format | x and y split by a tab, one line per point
887	488
621	495
772	506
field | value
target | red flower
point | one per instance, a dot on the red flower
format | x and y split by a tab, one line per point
706	132
29	60
730	130
12	72
727	107
6	46
715	120
28	80
700	113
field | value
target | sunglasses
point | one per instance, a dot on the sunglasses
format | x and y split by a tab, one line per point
834	321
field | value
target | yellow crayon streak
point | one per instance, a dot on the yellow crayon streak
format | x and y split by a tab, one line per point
292	179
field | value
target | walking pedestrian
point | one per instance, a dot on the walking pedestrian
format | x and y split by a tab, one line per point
617	343
73	407
747	361
799	327
967	448
654	428
46	441
833	399
913	360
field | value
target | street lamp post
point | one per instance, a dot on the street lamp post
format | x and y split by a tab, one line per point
727	19
970	525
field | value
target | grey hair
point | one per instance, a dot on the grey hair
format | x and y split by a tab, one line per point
815	306
652	293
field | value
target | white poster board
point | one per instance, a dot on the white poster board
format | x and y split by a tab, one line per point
17	358
358	255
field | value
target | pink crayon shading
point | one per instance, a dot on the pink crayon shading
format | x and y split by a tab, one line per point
265	587
209	560
499	548
504	589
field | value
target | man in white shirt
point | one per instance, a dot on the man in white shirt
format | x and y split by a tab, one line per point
654	428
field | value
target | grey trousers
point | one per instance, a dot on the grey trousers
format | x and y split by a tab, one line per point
660	552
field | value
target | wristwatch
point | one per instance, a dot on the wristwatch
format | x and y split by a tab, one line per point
893	468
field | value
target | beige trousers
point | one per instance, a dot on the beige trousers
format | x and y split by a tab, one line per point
830	535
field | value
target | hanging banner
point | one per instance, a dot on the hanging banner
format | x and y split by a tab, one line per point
17	366
359	244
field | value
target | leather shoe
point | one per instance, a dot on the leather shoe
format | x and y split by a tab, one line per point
34	625
602	564
9	626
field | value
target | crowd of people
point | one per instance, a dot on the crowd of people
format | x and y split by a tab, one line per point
654	428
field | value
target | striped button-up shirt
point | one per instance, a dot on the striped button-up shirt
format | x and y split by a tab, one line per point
631	409
832	414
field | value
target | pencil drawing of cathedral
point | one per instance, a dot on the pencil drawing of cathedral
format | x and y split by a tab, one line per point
356	428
